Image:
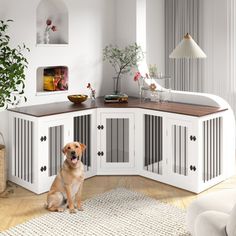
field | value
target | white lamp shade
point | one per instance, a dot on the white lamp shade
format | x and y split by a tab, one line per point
187	48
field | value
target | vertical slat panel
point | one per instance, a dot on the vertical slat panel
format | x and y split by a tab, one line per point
180	150
185	152
32	148
145	140
177	140
219	145
205	151
160	135
108	141
120	130
26	150
113	141
150	142
82	133
212	148
153	143
19	148
16	145
21	151
174	149
126	146
30	151
208	150
157	144
89	142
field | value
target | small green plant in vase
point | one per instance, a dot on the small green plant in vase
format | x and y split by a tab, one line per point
12	66
122	60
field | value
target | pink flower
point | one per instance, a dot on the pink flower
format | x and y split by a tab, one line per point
54	28
48	22
137	76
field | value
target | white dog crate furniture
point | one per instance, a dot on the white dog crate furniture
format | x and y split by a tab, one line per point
184	145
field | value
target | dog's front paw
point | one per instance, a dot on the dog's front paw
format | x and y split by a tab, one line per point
72	211
61	209
80	208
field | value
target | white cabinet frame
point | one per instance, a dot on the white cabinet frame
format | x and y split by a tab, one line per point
206	164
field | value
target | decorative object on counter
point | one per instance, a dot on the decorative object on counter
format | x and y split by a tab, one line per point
77	98
140	79
49	27
12	67
92	91
55	78
122	60
152	70
152	87
116	98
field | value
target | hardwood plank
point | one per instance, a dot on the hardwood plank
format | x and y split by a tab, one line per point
24	205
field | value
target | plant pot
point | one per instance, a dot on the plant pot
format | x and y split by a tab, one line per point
116	85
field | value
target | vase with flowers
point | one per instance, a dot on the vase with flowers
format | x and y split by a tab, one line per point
49	27
140	80
92	91
122	60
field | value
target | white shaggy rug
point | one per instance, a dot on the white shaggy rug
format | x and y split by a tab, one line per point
115	213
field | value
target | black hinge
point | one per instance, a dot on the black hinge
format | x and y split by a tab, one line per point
193	168
193	138
100	153
100	127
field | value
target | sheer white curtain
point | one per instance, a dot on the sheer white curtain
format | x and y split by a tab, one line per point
181	17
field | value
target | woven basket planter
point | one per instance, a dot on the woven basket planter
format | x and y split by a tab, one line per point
3	167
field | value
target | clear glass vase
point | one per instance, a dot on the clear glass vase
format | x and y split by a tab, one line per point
116	85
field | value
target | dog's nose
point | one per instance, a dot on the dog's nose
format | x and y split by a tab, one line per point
73	153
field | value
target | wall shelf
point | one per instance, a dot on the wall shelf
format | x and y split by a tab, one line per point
51	80
43	45
46	93
57	12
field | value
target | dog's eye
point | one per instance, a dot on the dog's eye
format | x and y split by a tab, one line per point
68	148
76	146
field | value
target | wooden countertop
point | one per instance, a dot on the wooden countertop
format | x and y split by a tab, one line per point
64	107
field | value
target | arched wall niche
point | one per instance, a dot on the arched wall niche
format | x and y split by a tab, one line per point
57	12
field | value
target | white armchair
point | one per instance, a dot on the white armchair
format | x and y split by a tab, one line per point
213	214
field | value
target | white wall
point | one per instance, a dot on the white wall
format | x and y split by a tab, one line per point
156	33
91	27
141	21
214	43
125	33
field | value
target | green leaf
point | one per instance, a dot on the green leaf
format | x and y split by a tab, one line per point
12	67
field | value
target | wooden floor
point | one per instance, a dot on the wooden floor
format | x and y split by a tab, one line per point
22	205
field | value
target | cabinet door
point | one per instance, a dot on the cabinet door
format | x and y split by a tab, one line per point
153	144
117	141
84	131
182	154
53	134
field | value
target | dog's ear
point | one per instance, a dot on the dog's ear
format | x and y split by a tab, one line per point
83	146
64	150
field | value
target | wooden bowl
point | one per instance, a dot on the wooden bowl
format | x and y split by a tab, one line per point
77	98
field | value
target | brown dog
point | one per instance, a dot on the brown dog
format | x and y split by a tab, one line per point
67	186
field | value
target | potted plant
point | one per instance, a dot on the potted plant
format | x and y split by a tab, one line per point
12	66
122	60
